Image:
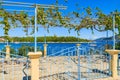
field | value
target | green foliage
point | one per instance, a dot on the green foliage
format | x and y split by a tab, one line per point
46	17
12	50
88	10
96	19
48	39
108	46
89	18
23	50
10	20
118	46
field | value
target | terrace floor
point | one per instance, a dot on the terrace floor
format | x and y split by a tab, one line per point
52	68
110	78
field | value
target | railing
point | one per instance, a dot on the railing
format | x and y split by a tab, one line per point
76	63
72	63
14	68
58	65
94	64
118	64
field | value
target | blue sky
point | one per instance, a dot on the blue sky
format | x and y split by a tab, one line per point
105	5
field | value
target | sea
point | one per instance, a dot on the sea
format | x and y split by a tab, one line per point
54	47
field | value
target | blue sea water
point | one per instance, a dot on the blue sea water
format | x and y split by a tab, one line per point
53	47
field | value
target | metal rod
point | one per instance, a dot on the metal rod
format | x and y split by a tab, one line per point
17	2
17	5
78	53
7	42
113	31
19	10
107	37
22	26
11	2
45	38
35	29
32	5
52	6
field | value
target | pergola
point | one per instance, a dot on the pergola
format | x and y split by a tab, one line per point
34	6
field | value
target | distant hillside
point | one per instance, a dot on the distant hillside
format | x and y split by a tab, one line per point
48	39
117	38
2	39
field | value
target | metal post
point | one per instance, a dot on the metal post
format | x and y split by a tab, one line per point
3	75
113	31
79	74
35	37
0	4
107	40
45	39
7	42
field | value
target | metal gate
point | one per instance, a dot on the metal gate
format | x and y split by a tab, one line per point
76	63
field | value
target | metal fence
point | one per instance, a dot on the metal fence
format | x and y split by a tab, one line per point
76	63
118	64
14	68
72	63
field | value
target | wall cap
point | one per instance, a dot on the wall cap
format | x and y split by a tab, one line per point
112	52
34	55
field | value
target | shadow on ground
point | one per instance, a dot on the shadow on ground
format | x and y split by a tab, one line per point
27	78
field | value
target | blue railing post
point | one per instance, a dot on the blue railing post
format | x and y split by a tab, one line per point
78	54
35	36
3	75
114	31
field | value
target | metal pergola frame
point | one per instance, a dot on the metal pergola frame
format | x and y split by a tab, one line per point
35	7
113	20
31	5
